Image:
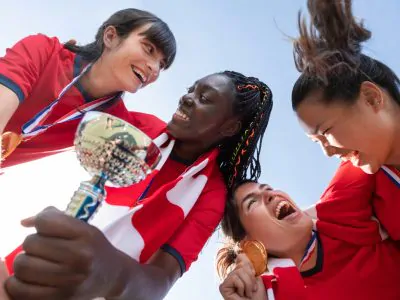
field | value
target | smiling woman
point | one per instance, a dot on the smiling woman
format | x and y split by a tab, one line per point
151	232
346	100
321	258
46	86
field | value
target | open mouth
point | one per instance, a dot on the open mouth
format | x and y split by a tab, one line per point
182	115
139	74
284	209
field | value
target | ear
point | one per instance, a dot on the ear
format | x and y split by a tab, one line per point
372	95
230	127
110	37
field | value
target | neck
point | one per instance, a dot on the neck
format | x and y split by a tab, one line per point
297	254
97	83
394	157
189	151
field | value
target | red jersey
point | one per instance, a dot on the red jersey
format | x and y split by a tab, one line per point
189	238
356	260
37	68
357	251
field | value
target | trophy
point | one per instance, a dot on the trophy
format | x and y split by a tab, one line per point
111	151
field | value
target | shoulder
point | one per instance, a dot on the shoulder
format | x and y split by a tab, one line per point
40	41
350	179
149	124
215	192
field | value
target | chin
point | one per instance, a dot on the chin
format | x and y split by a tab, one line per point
370	168
171	129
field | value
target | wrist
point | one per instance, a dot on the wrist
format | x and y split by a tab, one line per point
125	269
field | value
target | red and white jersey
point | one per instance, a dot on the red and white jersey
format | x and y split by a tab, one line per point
358	256
176	209
37	68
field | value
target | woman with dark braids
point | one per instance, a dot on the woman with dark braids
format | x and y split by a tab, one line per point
347	101
151	232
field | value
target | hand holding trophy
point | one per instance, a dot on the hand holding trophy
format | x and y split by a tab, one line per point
110	150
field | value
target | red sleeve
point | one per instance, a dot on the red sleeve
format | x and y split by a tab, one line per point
22	65
149	124
186	244
387	201
345	210
9	259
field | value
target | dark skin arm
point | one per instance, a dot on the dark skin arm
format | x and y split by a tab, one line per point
69	259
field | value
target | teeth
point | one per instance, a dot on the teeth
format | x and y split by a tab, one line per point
280	205
182	115
140	73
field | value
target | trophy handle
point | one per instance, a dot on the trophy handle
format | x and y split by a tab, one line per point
87	198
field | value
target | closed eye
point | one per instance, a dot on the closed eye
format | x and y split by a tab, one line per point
203	99
149	48
326	131
250	203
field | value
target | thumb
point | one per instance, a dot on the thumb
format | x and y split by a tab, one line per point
30	221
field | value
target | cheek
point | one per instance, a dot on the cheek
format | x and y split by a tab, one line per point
261	226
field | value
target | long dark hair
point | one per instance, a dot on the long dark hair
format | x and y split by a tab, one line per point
328	53
125	21
239	157
240	154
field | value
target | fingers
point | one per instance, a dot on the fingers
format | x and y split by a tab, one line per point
34	270
57	250
54	223
241	281
19	290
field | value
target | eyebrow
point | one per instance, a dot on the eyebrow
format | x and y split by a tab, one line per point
252	195
204	85
248	197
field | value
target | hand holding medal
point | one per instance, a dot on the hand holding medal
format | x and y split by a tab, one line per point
257	254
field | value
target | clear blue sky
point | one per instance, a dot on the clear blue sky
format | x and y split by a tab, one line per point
249	36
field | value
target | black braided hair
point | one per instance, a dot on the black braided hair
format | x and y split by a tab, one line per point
240	154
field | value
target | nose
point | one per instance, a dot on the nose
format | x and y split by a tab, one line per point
326	147
187	100
268	196
154	68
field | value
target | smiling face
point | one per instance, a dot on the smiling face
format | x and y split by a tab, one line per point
205	113
133	61
271	217
361	132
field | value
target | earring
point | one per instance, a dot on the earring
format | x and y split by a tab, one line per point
257	254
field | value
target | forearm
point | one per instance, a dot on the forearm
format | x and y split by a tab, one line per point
140	281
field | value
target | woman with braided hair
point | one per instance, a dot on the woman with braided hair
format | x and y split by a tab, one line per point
151	232
347	101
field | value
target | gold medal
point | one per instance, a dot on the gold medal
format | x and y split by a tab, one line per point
257	254
9	142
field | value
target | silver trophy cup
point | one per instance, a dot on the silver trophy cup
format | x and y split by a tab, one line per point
110	150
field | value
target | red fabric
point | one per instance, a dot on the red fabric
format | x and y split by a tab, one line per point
387	201
357	261
40	67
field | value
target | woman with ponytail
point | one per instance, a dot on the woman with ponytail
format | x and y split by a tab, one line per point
336	250
346	100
